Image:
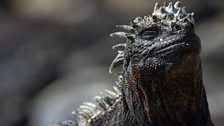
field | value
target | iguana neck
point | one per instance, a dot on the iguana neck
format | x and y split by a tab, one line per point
167	100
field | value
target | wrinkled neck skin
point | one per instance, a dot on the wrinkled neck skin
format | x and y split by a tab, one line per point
175	96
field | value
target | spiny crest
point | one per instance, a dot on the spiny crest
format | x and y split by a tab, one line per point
167	14
90	112
118	61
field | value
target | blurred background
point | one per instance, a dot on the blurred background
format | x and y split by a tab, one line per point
55	54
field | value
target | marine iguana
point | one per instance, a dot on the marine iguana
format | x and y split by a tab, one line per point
160	82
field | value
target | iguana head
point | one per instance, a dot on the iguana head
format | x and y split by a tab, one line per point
167	35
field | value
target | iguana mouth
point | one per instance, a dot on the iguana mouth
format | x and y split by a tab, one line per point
170	49
165	48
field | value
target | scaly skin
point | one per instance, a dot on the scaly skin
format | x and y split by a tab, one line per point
160	83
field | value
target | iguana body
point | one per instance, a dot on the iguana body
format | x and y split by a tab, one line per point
160	83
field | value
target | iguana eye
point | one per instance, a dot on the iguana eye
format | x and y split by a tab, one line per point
149	33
